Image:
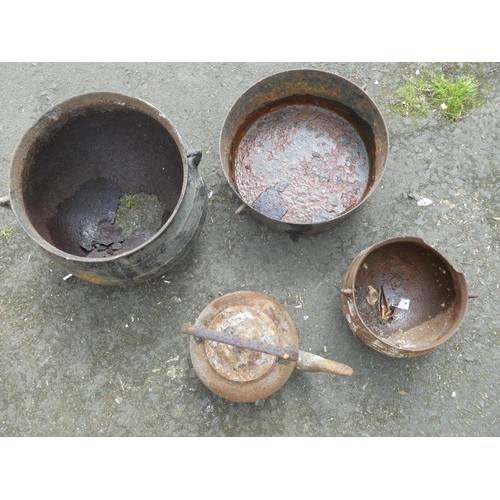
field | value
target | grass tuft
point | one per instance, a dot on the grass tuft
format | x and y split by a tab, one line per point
413	97
128	201
453	98
5	232
449	98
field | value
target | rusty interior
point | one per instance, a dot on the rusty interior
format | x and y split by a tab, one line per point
238	364
79	168
303	159
400	272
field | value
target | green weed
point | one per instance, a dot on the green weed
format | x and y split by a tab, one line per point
454	98
449	98
128	201
5	232
413	97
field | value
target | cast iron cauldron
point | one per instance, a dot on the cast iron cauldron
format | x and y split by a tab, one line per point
244	347
75	164
302	149
402	298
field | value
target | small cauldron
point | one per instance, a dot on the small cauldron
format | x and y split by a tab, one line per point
302	149
106	186
402	298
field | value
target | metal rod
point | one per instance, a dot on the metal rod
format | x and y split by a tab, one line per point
253	345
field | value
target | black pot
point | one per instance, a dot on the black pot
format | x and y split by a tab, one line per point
74	167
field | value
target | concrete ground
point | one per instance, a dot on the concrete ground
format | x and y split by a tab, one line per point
78	359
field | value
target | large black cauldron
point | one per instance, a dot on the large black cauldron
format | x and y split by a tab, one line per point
77	164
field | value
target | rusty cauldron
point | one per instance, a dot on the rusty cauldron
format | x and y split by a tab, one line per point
402	298
244	347
302	149
79	171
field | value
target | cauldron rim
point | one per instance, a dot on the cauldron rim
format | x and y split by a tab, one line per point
100	99
224	149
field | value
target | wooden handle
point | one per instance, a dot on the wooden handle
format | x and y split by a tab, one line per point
312	363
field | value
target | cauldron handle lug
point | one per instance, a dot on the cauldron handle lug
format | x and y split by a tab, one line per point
194	158
4	201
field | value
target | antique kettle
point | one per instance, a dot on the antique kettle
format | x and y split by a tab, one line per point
244	347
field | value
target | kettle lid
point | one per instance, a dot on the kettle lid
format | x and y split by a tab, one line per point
234	363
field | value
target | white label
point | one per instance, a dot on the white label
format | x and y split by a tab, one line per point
404	304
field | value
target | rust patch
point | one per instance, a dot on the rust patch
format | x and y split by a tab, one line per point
238	364
301	163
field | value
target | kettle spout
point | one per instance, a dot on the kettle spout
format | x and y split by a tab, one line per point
312	363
